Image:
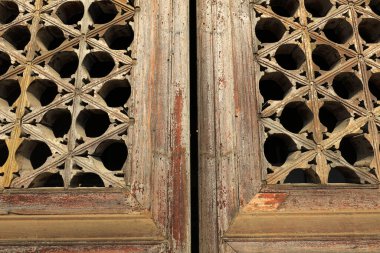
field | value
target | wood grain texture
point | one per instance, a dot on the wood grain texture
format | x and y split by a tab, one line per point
228	146
232	193
159	167
76	228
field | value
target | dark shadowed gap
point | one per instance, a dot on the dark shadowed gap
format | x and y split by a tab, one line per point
193	129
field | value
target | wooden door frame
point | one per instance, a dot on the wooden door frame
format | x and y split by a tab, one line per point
153	214
238	212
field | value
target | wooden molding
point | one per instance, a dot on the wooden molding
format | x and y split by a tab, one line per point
330	226
15	229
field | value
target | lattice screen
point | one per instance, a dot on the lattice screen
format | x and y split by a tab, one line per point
318	76
64	93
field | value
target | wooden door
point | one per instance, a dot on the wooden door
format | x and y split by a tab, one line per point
289	131
94	126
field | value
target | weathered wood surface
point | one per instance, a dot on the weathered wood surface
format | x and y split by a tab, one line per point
231	158
110	248
161	164
227	108
158	169
90	228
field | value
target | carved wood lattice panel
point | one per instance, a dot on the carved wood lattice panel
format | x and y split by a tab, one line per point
318	77
64	93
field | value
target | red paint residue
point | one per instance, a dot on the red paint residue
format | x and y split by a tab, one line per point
265	202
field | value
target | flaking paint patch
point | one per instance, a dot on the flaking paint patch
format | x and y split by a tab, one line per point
265	202
179	175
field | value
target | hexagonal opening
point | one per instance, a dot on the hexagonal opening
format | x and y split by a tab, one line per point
290	56
58	120
113	154
65	63
98	64
32	153
277	148
374	85
102	12
284	8
86	180
5	63
368	30
296	116
92	122
326	57
334	116
343	175
116	92
301	176
41	92
9	90
274	86
119	37
47	179
51	37
4	152
338	30
70	12
8	11
356	150
18	36
269	30
346	85
318	8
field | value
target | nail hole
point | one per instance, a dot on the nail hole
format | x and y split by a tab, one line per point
9	90
58	120
277	148
18	36
65	63
102	11
368	30
346	85
8	11
92	122
70	12
86	180
284	8
115	92
325	57
98	64
338	30
47	179
42	92
296	116
51	37
269	30
119	37
112	153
